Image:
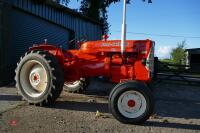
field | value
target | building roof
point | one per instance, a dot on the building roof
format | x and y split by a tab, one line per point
193	49
70	11
61	8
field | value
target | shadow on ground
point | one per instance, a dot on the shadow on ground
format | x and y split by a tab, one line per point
172	125
82	106
103	108
10	98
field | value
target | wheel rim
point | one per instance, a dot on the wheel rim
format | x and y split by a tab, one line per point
131	104
72	84
33	78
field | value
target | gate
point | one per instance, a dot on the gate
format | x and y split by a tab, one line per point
173	72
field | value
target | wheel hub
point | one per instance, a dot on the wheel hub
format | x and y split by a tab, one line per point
34	78
131	103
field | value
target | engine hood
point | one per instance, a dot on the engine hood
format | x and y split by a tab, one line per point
114	46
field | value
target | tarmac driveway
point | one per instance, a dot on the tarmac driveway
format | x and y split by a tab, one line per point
177	110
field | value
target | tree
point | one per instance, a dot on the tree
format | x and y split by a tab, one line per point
63	2
97	10
178	54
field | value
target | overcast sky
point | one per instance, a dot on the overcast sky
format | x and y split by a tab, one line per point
162	17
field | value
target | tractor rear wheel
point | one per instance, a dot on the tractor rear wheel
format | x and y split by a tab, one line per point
131	102
39	78
76	86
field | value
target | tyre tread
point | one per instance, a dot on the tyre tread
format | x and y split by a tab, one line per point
56	74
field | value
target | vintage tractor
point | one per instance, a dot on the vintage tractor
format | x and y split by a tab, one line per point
42	72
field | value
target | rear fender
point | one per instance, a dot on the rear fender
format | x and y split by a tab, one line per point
57	52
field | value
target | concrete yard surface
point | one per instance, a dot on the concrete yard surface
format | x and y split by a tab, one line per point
9	98
177	110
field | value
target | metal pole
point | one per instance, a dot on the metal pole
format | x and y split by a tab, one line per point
123	34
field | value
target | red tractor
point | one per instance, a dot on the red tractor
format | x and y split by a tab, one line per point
44	69
42	72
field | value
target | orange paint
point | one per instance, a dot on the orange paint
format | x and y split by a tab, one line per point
103	58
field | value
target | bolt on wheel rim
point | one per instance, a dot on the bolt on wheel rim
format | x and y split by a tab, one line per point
33	78
131	104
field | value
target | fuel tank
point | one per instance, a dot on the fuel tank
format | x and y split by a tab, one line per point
114	46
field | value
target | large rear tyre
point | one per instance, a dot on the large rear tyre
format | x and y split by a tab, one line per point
39	78
131	102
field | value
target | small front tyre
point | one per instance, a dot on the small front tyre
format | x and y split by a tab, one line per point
131	102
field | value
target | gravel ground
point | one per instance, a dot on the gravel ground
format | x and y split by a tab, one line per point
177	111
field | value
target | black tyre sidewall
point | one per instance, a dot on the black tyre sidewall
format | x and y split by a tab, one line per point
127	86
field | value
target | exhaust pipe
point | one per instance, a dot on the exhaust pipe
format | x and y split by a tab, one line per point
123	34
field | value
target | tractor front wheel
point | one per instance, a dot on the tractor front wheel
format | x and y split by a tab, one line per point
39	78
131	102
